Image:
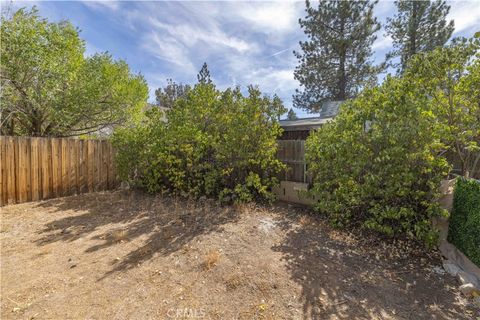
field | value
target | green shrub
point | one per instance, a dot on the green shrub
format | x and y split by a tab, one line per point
379	164
376	164
464	228
214	143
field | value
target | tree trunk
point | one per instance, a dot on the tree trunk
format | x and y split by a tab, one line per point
413	31
342	81
12	126
474	166
36	128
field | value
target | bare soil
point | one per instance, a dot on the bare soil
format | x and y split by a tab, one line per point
127	255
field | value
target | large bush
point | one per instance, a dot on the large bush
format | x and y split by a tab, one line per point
376	165
379	164
213	143
464	228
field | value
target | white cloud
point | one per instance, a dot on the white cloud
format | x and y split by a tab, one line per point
280	52
190	35
466	15
168	49
270	16
382	42
271	79
101	5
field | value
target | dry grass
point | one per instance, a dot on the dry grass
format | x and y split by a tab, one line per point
119	235
235	281
4	228
244	208
305	220
163	254
211	260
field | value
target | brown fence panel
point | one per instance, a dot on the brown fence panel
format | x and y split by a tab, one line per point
41	168
292	153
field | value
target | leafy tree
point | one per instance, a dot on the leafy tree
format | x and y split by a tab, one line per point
49	88
216	144
335	61
204	75
418	26
291	115
173	91
451	77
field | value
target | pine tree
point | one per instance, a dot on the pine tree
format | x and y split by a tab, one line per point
291	115
173	91
335	62
204	75
418	26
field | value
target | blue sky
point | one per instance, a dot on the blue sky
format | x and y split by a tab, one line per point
242	42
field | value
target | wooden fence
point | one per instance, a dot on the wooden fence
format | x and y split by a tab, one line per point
292	153
41	168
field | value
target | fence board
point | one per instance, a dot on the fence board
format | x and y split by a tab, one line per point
105	165
84	173
56	167
41	168
21	174
97	166
11	185
292	153
90	164
111	167
64	162
72	167
34	169
43	147
3	186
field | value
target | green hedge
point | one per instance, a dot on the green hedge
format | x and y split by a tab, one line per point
464	230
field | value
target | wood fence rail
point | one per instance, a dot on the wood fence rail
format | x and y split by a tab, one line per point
41	168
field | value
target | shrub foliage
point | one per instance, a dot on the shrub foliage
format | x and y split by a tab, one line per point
213	143
464	228
379	164
376	164
451	78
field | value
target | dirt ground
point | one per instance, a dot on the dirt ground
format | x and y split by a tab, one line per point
127	255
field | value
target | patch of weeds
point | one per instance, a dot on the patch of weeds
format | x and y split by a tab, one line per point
235	281
211	260
5	228
305	220
119	235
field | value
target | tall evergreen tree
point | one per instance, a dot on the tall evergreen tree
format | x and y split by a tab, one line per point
204	75
173	91
418	26
335	62
291	115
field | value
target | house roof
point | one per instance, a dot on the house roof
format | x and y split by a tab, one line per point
303	124
330	109
327	113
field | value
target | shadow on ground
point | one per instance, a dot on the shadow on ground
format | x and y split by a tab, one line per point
166	223
343	277
334	275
